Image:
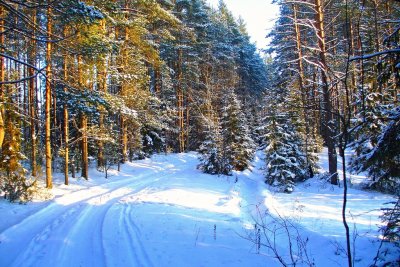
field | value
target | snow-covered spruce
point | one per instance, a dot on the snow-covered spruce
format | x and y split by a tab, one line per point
286	162
227	145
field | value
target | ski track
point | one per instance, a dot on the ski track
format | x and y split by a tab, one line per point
134	236
68	226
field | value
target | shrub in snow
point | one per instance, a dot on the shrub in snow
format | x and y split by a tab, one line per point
390	232
16	188
291	249
13	181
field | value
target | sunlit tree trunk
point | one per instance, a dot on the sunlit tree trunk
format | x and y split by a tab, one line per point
300	69
31	98
66	118
327	105
123	126
83	120
103	88
49	179
124	140
181	116
2	74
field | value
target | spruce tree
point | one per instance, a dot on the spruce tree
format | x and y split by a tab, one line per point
238	145
211	150
285	160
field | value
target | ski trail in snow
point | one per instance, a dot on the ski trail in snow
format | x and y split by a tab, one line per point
124	239
37	249
75	220
81	221
135	235
50	220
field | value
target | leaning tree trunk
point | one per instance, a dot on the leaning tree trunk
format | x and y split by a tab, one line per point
327	109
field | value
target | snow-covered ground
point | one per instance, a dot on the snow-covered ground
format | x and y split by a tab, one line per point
164	212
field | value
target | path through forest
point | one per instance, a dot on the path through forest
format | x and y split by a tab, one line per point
164	212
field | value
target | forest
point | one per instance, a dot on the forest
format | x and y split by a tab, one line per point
98	83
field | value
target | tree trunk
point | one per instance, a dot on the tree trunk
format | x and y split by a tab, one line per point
124	140
84	141
66	118
179	92
102	88
49	179
2	76
31	99
327	109
100	144
303	91
84	144
123	126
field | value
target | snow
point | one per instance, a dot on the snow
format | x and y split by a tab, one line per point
162	211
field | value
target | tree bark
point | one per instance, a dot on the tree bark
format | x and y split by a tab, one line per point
179	92
123	126
124	140
66	119
83	125
303	91
327	109
103	88
49	179
2	75
31	99
84	144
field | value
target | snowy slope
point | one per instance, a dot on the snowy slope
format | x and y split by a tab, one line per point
163	212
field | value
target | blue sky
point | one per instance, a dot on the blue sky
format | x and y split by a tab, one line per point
258	15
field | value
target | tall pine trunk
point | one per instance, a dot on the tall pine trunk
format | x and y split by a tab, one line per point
83	126
102	88
49	179
303	92
31	99
124	139
181	116
65	119
2	75
327	105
